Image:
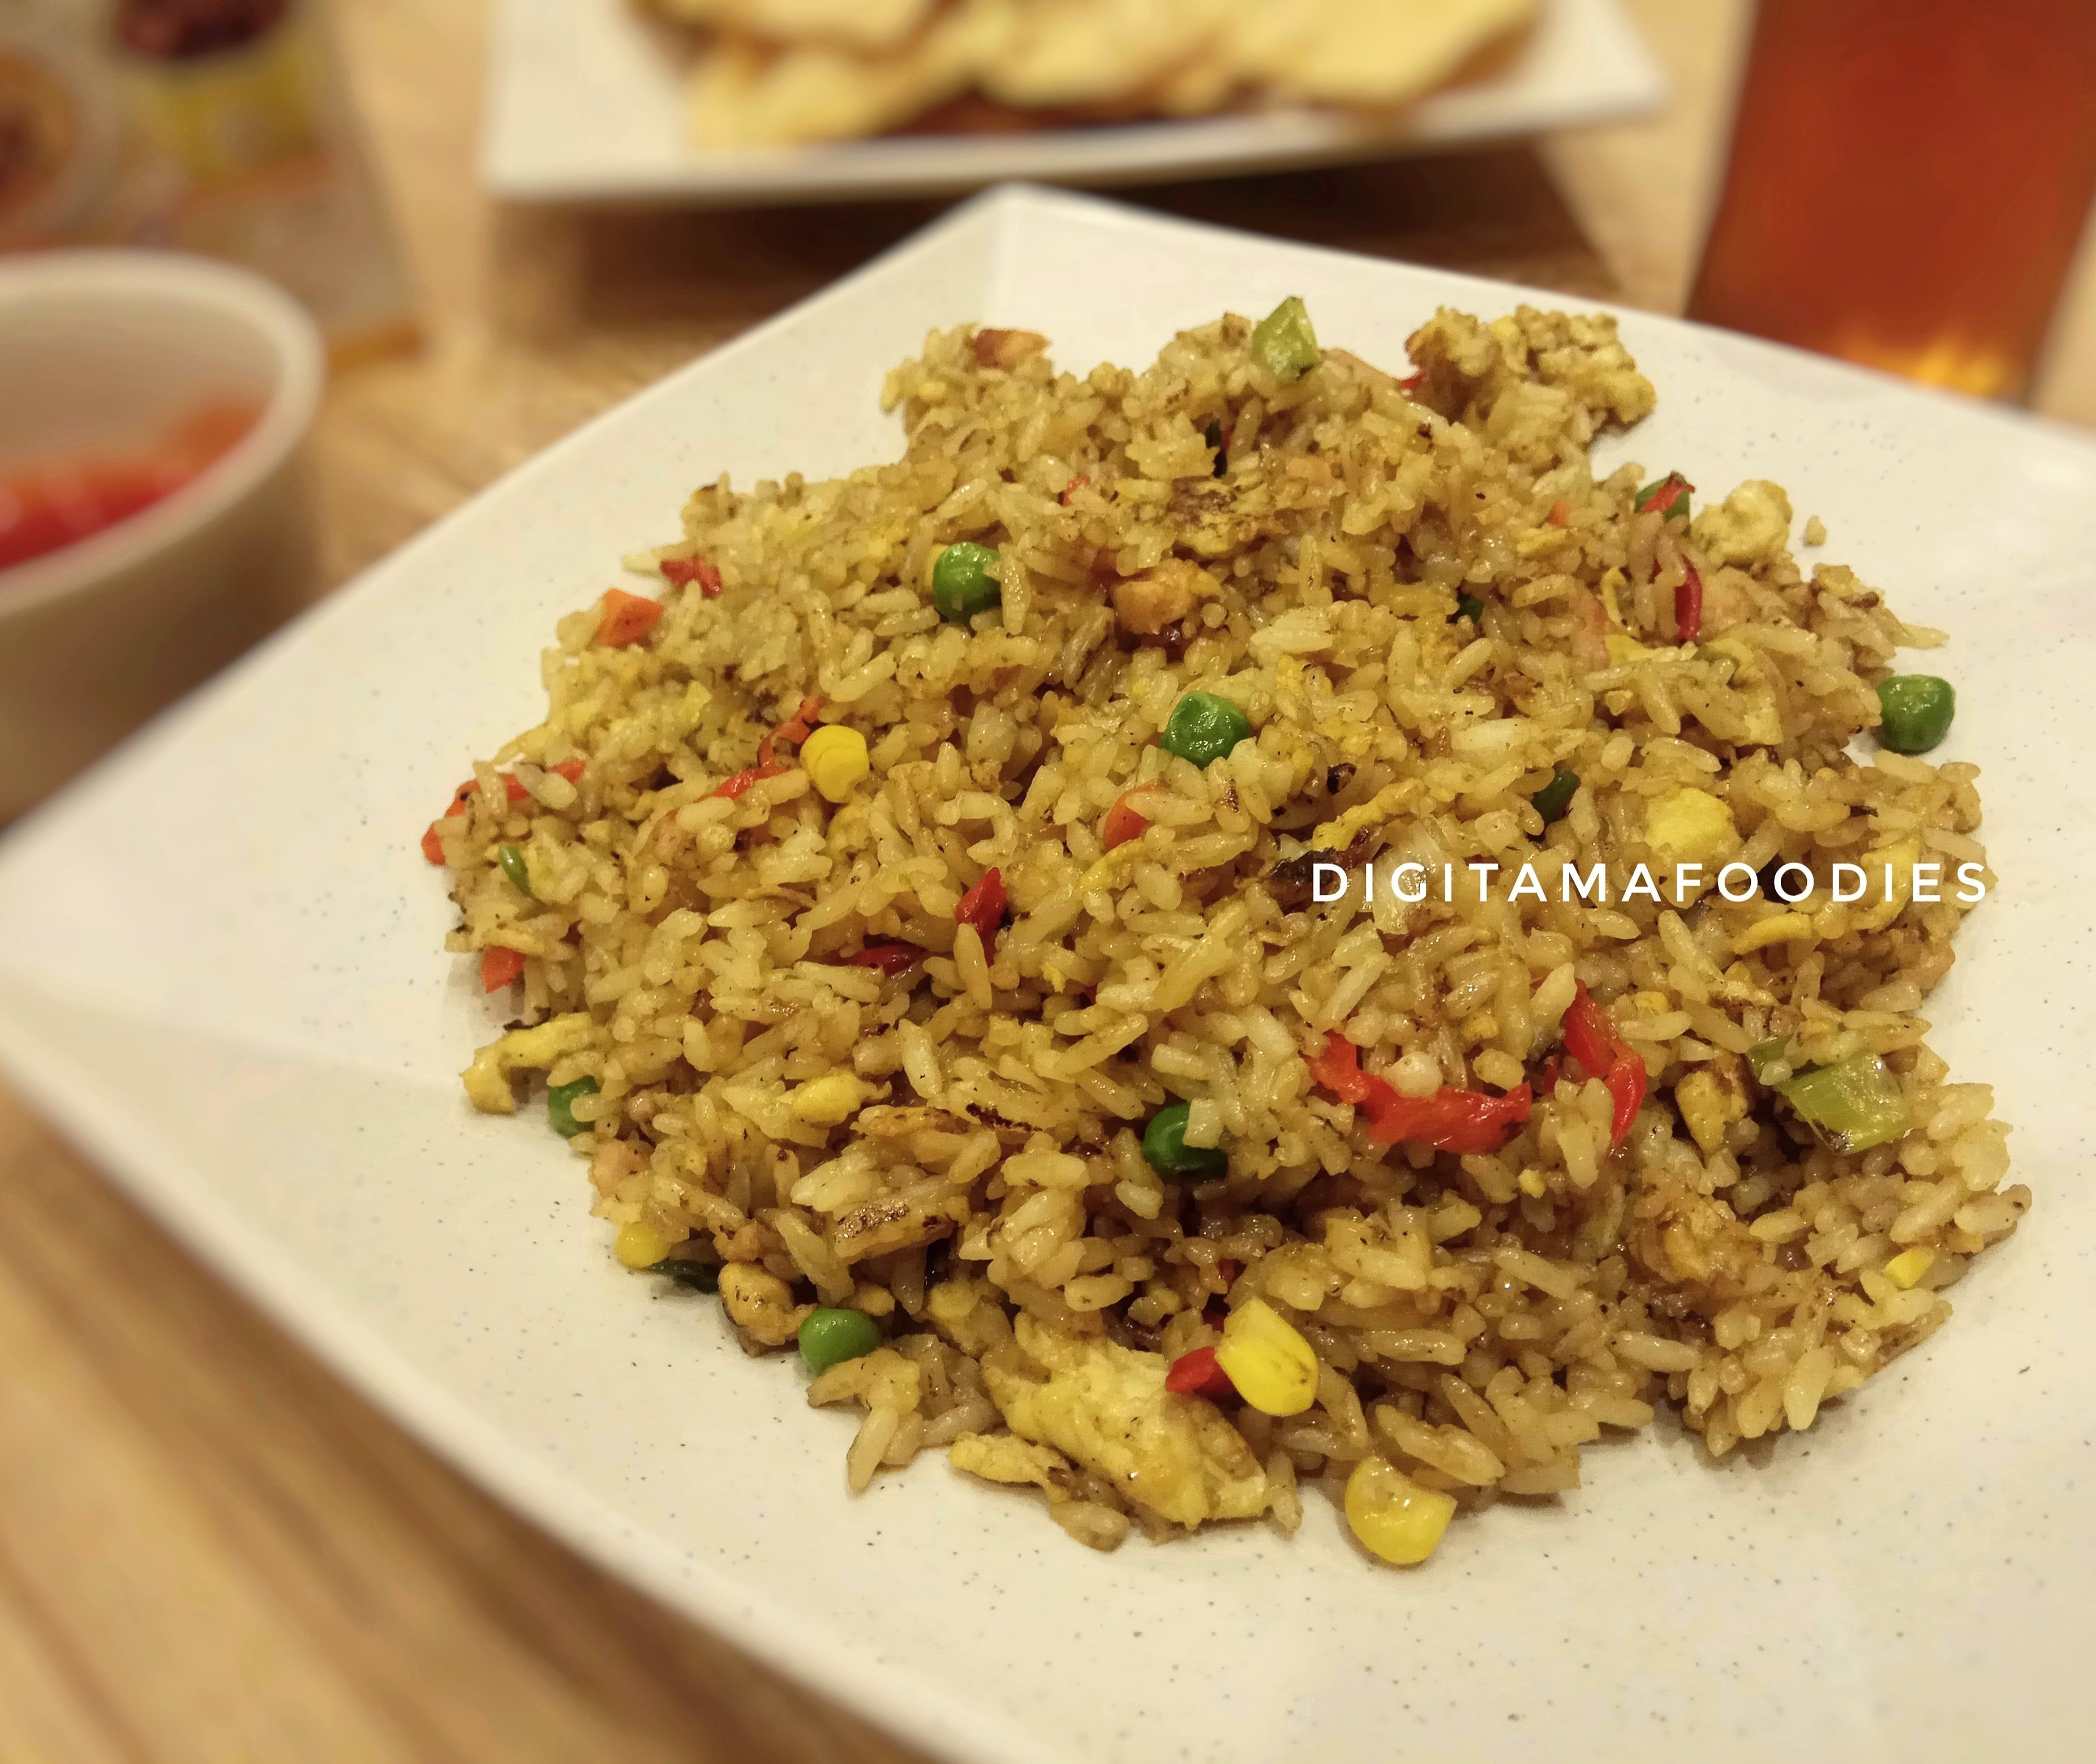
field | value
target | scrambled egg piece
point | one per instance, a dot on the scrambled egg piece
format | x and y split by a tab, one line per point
1711	1097
487	1079
1751	526
1007	1458
1690	827
1107	1407
1387	803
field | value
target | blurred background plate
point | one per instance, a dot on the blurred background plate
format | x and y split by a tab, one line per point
584	103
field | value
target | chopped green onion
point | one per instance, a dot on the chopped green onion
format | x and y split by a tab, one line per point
1765	1057
1285	342
1470	607
1852	1105
511	858
701	1276
1554	800
1165	1149
559	1106
1202	728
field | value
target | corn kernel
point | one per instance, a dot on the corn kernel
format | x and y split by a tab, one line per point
1689	826
835	757
1531	1184
639	1245
1394	1517
1904	1269
1265	1357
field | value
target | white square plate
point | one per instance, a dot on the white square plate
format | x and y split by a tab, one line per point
587	103
220	973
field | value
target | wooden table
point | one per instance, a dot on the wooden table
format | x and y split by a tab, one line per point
209	1549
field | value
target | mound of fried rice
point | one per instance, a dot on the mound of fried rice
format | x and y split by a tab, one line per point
955	1148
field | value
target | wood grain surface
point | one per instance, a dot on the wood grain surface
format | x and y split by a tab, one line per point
210	1550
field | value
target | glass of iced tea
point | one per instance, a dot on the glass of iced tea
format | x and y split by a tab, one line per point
1908	183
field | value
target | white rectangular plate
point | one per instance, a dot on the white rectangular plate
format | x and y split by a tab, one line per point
220	973
585	103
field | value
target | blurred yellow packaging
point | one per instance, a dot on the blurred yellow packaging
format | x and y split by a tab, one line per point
219	126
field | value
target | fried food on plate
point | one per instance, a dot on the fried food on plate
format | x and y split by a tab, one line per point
778	71
1076	53
863	23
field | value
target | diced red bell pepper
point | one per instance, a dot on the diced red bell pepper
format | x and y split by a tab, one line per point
1071	489
432	846
983	907
1591	1038
891	959
1688	605
627	619
1561	513
499	967
1460	1121
572	769
1124	821
682	571
1412	382
1195	1373
513	791
734	787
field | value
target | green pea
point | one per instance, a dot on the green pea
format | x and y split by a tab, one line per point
701	1276
1917	709
1470	607
831	1337
1165	1149
1203	727
560	1106
511	858
962	585
1555	798
1285	342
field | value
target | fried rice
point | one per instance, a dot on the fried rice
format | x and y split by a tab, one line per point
800	1065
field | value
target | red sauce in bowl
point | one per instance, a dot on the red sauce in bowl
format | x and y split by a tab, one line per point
47	507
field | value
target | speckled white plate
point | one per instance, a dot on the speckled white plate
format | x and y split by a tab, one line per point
587	103
220	973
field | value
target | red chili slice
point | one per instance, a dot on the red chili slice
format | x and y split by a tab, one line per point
891	959
1195	1373
983	907
1688	605
734	787
1591	1038
1460	1121
1124	821
684	571
794	731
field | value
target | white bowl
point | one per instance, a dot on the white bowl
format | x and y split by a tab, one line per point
104	352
